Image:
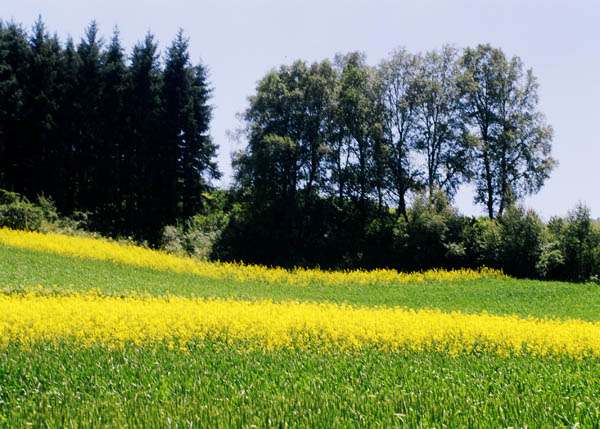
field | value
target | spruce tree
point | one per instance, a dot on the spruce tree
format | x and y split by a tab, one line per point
15	54
188	160
89	148
145	119
178	105
41	98
199	152
68	125
113	114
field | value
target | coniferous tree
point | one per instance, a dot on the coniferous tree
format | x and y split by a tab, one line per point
199	151
113	113
41	100
90	150
144	123
16	53
188	152
101	136
178	109
8	100
68	126
6	79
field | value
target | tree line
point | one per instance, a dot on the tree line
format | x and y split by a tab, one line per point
416	122
346	165
337	150
121	137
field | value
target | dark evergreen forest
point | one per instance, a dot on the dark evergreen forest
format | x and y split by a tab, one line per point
347	165
122	137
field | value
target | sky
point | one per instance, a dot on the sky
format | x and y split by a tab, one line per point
240	41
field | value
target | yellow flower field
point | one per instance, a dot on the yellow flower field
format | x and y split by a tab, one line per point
91	318
92	248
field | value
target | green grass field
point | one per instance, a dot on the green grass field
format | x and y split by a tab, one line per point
215	386
524	298
212	387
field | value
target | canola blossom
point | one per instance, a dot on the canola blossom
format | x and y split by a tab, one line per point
92	248
115	322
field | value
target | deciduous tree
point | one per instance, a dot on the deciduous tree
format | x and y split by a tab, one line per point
398	74
439	127
511	141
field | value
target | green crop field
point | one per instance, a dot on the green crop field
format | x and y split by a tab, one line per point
217	383
19	267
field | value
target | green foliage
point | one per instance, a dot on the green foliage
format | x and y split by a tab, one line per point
171	240
509	139
439	125
17	212
124	141
199	234
523	246
202	232
486	239
397	75
48	208
377	137
551	262
578	241
434	233
521	243
122	147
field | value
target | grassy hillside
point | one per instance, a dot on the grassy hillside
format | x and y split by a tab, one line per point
21	267
73	367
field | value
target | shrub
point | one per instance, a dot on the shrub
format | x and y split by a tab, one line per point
198	235
434	233
551	262
17	212
522	239
579	241
486	242
170	240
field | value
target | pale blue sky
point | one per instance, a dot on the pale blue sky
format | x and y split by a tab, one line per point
241	40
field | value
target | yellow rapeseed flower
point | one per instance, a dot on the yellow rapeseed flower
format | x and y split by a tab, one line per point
91	318
92	248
